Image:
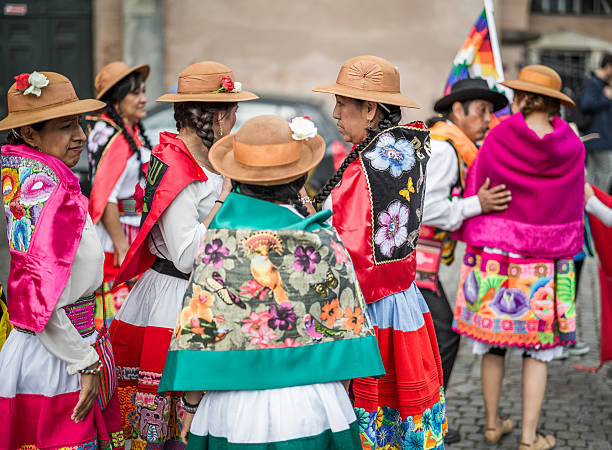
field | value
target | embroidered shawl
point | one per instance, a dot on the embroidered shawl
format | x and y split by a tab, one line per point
272	302
45	216
170	169
378	207
108	152
546	178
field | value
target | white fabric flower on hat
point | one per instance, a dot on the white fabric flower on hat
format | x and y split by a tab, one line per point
37	81
237	87
302	128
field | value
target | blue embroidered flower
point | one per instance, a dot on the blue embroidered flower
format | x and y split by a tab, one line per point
427	419
363	418
389	154
22	232
414	441
438	418
408	425
384	433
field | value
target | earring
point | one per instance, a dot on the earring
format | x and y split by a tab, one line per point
220	131
369	123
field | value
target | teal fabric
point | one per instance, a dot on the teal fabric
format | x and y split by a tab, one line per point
263	215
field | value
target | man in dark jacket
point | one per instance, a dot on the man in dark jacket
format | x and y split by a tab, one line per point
596	101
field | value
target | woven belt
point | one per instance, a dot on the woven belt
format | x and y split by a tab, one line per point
81	314
166	267
127	207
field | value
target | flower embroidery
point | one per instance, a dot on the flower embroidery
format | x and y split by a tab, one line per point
330	312
393	231
255	290
17	208
282	316
542	299
339	253
215	253
36	188
10	184
509	302
99	136
199	308
389	154
21	234
306	259
470	289
354	319
291	343
256	321
262	337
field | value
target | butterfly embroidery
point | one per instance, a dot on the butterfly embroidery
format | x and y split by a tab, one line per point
331	282
409	190
219	287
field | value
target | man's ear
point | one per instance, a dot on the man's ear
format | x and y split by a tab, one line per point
457	110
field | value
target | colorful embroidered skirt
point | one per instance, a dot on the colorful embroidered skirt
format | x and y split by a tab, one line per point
37	398
506	300
141	335
114	296
406	407
312	417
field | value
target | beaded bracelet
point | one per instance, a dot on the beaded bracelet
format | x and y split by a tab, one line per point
305	199
189	407
88	371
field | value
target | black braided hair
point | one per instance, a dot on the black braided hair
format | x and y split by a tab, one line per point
390	116
288	192
113	96
200	117
143	135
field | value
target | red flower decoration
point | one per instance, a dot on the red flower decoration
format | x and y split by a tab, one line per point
227	83
17	208
22	81
138	197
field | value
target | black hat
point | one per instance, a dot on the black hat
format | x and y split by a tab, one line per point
471	89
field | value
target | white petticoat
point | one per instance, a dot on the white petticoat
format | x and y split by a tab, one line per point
274	415
545	355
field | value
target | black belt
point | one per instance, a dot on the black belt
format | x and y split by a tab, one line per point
166	267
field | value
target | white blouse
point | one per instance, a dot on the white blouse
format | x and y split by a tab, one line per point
59	336
177	234
602	212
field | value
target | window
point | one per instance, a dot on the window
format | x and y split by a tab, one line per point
578	7
571	65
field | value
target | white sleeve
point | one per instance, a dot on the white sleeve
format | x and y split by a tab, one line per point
63	340
181	228
440	211
112	198
602	212
328	204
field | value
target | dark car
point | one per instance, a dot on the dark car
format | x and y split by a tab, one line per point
161	118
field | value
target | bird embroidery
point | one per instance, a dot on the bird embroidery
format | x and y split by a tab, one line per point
258	246
316	330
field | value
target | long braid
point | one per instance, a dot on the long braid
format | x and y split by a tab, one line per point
391	117
200	117
114	115
143	136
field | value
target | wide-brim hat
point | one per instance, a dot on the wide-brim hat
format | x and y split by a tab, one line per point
203	82
369	78
113	73
471	89
542	80
56	99
264	152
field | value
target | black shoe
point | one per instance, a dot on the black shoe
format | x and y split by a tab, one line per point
452	436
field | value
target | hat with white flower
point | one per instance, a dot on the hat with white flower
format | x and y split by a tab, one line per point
40	96
208	81
268	151
369	78
113	73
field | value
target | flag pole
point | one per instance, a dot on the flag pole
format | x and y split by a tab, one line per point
489	9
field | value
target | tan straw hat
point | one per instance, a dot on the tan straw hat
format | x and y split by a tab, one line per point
113	73
208	81
265	152
56	99
541	80
369	78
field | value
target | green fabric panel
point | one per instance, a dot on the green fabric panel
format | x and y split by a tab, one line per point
241	211
193	370
342	440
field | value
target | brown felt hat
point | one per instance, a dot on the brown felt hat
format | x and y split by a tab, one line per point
369	78
113	73
263	152
200	82
57	99
541	80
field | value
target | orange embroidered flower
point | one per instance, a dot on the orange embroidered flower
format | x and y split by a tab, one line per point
200	304
354	319
331	312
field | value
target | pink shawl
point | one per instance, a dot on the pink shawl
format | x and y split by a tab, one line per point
45	214
546	178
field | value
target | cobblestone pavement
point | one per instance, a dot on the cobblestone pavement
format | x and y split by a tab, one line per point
577	408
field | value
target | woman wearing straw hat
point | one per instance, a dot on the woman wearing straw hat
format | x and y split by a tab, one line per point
56	388
273	324
517	286
377	200
117	148
182	194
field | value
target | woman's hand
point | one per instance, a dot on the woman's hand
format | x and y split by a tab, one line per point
226	189
187	419
588	192
121	250
493	199
90	385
